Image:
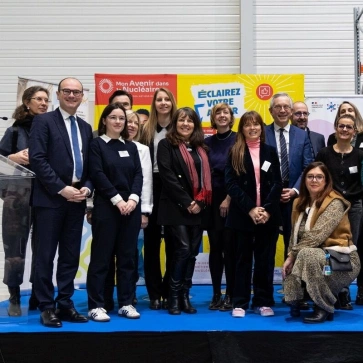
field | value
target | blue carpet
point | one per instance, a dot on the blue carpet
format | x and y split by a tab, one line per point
204	320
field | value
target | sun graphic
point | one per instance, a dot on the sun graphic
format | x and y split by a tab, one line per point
260	88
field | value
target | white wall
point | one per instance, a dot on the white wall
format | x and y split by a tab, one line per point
313	37
49	40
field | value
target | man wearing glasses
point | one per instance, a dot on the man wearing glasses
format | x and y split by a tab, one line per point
299	118
293	149
58	150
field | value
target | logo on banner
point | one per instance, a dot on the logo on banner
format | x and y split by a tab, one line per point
105	85
331	106
264	91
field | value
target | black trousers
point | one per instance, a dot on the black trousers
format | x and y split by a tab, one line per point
57	227
113	234
157	286
222	256
254	246
186	243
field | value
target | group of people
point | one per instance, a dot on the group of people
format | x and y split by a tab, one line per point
162	176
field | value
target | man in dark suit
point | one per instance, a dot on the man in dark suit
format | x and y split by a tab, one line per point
298	155
299	118
58	150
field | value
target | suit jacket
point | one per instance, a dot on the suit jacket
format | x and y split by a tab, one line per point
242	190
51	159
317	141
299	152
176	193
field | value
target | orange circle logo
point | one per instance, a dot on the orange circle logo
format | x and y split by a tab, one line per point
264	91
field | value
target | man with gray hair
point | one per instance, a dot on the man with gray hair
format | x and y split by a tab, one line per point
293	148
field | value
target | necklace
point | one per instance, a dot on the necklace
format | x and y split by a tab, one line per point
224	138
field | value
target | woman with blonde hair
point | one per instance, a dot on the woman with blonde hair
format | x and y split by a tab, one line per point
221	239
162	109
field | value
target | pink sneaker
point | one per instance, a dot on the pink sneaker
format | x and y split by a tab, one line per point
238	313
264	311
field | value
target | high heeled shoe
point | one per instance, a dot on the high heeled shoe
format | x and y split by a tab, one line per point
318	316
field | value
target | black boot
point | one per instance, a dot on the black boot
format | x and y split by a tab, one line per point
294	309
359	299
173	303
14	301
227	304
343	300
216	302
318	316
187	307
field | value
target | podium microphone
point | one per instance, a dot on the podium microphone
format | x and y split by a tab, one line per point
3	118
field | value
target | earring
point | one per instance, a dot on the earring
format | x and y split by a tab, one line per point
28	108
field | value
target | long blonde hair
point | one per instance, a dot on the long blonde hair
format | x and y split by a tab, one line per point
239	148
149	127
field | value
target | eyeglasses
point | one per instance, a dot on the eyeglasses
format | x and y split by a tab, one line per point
76	92
318	177
40	99
115	118
300	114
348	127
279	107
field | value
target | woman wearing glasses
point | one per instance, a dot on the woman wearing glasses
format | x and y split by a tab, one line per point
115	171
320	224
345	163
14	145
348	108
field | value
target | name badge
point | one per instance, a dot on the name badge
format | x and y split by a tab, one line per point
353	170
361	145
124	154
266	165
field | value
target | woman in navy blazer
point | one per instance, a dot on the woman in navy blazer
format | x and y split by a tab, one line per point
186	190
253	181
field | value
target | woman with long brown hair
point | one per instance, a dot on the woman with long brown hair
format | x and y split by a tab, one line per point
253	181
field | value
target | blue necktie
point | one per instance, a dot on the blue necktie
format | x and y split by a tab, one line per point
76	150
284	158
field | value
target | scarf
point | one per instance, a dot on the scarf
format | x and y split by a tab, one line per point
205	193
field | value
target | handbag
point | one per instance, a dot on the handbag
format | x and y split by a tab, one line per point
339	261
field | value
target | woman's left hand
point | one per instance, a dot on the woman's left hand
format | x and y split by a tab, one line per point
194	208
288	265
144	221
224	207
129	207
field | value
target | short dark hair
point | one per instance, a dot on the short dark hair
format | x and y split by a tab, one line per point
121	92
143	111
59	84
108	109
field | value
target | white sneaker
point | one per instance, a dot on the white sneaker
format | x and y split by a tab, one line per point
238	313
128	311
264	311
98	314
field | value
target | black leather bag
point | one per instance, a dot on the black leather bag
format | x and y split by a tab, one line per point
339	261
